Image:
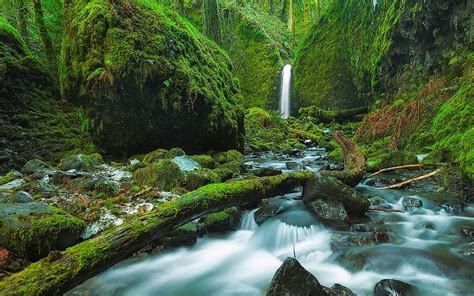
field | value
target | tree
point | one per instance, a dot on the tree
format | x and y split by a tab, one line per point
44	35
211	20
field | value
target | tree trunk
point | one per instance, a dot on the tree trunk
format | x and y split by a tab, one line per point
61	271
355	165
211	20
23	20
45	38
340	116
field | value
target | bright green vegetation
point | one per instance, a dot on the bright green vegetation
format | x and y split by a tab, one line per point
33	229
139	59
164	175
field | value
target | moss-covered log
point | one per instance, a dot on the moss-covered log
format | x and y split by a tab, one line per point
328	116
61	271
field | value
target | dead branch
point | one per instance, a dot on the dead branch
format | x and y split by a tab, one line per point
400	167
385	210
398	185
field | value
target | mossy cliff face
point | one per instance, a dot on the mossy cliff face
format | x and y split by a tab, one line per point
356	49
32	122
259	45
148	79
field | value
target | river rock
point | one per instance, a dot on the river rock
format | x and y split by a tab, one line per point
292	165
81	162
269	208
35	165
198	178
326	187
342	291
60	177
291	279
185	163
266	172
222	221
412	202
34	229
330	213
19	197
389	287
12	185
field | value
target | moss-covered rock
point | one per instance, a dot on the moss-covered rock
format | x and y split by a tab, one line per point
155	156
223	221
164	175
199	178
148	79
356	49
33	229
205	161
228	156
34	123
81	162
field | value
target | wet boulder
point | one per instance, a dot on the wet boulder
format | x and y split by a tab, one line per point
205	161
291	279
292	165
412	202
186	163
268	209
222	221
326	187
33	229
388	287
330	213
266	172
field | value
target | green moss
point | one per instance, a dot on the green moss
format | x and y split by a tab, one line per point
206	161
35	231
155	156
10	176
154	65
164	175
175	152
199	178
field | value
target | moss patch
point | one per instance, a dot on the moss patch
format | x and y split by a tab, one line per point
164	175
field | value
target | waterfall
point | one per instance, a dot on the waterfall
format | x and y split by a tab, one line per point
285	99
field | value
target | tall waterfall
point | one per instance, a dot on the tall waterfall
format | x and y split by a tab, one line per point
285	99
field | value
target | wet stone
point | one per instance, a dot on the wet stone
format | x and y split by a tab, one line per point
412	202
389	287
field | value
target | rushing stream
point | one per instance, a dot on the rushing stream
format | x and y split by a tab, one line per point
424	249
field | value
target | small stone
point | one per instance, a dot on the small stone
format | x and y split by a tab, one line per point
412	202
291	165
35	165
389	287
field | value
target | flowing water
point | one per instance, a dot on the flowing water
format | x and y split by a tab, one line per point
424	249
285	95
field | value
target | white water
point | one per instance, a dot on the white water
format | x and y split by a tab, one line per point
423	250
285	95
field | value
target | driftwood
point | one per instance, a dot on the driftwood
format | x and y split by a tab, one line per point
409	181
61	271
355	165
385	210
325	116
400	167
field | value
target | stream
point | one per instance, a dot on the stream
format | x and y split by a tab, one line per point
424	248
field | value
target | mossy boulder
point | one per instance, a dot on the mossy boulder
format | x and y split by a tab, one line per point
222	221
34	122
33	229
199	178
155	156
206	161
148	79
81	162
164	175
228	156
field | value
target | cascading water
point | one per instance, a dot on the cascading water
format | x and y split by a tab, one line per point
285	95
423	250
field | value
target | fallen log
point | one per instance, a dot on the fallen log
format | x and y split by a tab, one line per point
327	116
61	271
409	181
400	167
355	165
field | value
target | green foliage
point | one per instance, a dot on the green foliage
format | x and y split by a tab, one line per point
164	175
